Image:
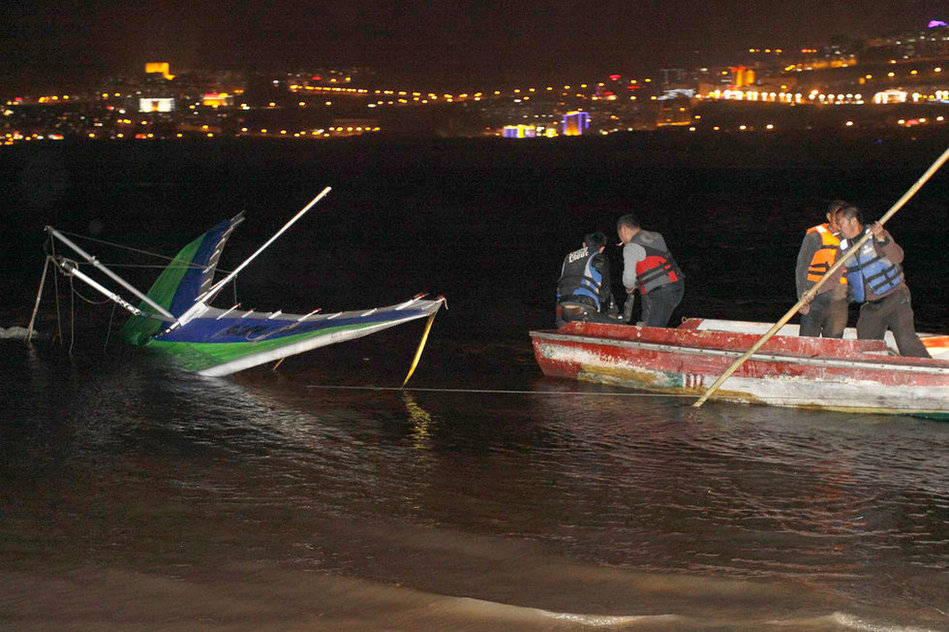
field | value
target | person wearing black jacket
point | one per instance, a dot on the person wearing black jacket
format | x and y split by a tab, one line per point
584	292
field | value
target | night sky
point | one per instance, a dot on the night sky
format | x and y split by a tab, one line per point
474	42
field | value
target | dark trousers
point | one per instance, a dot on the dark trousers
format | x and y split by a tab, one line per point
569	312
827	317
659	302
894	312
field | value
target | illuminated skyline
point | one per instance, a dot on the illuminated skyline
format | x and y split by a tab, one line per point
47	43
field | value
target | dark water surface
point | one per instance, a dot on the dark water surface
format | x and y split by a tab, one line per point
318	497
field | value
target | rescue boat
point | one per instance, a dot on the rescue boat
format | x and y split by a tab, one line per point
849	375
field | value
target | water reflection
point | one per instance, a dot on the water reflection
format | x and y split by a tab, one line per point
420	421
565	497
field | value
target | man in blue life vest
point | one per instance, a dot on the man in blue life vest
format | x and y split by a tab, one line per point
649	266
583	292
826	315
876	280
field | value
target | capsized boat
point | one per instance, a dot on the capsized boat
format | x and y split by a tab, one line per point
821	373
175	316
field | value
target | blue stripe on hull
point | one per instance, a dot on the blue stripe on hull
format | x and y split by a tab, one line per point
235	329
190	285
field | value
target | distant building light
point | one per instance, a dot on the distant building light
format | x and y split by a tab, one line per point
676	93
217	99
156	104
518	131
890	96
575	123
162	68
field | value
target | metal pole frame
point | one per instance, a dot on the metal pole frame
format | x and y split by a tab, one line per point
112	275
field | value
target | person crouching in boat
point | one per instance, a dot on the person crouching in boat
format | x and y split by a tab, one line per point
648	265
583	292
876	280
826	315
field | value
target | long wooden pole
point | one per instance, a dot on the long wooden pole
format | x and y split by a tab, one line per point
809	294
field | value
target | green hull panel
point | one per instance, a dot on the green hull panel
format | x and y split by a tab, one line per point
138	330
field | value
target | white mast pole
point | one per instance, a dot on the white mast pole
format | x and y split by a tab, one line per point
71	269
95	262
36	305
217	286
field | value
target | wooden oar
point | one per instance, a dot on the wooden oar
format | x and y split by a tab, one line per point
809	294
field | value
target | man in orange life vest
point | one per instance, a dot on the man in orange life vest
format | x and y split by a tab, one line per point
648	265
876	280
826	315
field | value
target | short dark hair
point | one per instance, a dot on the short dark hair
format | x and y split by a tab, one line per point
836	205
850	211
594	240
629	220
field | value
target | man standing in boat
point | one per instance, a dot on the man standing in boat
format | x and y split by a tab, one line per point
826	315
649	266
876	280
584	292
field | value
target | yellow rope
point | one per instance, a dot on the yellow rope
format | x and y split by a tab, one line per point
421	346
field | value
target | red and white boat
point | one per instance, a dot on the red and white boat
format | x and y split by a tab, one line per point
821	373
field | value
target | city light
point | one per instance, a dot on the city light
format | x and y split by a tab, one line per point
754	97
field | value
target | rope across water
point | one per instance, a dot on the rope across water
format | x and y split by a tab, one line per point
495	391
